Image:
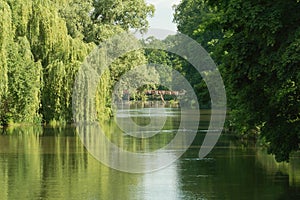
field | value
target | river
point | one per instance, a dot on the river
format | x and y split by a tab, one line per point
52	163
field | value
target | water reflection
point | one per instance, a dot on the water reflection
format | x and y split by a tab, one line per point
35	165
141	154
233	171
47	163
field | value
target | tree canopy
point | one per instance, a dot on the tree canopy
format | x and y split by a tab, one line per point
256	44
42	46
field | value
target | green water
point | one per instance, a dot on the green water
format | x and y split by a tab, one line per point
52	163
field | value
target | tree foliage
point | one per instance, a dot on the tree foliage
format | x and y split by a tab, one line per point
109	16
42	46
258	55
171	61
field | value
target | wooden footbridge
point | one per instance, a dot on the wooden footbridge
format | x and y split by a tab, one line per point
161	93
165	92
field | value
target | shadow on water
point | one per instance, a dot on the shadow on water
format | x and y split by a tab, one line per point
235	171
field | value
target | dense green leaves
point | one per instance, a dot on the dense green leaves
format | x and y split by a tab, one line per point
42	46
20	75
126	14
6	31
24	81
258	55
264	89
200	21
109	16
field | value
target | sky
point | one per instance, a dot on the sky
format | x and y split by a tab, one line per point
163	15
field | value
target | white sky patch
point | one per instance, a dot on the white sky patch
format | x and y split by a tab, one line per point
163	16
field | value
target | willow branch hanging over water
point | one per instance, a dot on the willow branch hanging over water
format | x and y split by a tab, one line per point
42	46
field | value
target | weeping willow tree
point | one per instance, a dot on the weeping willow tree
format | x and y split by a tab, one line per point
111	77
20	75
6	31
42	46
61	56
39	60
